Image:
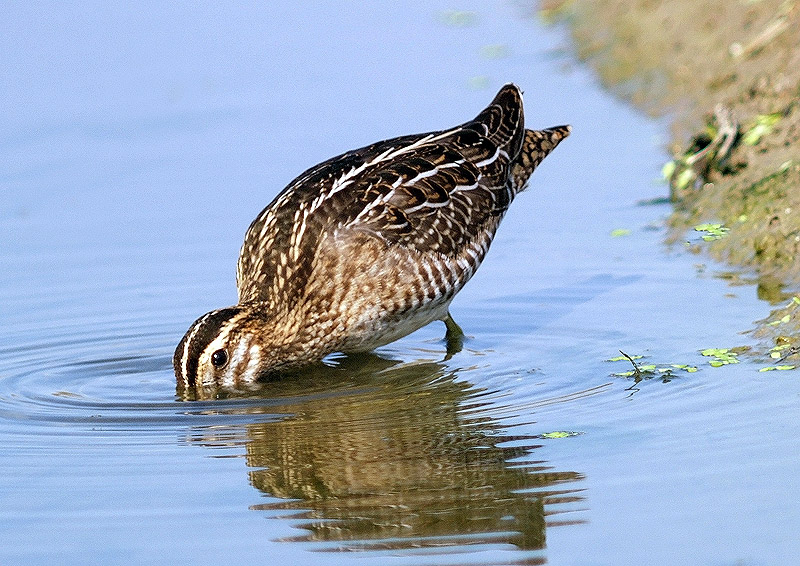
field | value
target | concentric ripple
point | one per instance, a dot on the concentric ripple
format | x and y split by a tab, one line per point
391	452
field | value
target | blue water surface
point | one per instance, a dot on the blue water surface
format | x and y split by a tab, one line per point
137	142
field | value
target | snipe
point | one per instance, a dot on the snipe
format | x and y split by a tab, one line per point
367	247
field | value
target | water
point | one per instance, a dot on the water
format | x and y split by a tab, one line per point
138	143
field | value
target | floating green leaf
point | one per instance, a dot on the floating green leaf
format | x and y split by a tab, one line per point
712	231
779	368
618	232
722	356
648	371
623	358
559	434
783	351
624	374
782	320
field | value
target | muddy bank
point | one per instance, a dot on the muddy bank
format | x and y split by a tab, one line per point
728	74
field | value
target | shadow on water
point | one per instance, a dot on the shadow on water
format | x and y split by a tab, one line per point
374	454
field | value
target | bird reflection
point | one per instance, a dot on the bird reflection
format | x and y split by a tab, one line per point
378	454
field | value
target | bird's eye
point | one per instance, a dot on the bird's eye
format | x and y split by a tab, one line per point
219	358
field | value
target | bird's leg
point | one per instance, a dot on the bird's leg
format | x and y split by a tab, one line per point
454	337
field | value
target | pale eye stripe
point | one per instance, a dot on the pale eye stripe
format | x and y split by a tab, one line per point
216	344
239	354
253	364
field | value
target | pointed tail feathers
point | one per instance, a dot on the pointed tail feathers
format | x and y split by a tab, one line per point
536	146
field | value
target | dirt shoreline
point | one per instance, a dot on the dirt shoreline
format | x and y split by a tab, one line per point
728	74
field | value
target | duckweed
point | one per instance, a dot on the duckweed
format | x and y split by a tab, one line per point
712	231
560	434
722	356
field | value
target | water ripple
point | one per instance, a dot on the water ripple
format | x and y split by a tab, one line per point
370	453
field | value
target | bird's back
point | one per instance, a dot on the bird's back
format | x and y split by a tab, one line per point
436	197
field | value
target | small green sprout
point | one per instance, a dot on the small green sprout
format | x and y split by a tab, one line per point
712	231
763	126
668	170
684	179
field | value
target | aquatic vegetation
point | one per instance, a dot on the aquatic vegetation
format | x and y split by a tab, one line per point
677	174
783	351
782	320
783	315
721	356
712	231
771	368
781	330
648	371
624	357
560	434
763	126
653	370
709	151
619	232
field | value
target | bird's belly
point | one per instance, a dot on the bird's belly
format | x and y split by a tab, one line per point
369	294
382	331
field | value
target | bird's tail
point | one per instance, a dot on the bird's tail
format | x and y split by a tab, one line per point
536	146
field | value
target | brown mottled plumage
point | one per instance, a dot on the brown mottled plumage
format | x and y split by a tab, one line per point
367	247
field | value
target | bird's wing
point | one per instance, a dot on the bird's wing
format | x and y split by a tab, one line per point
431	193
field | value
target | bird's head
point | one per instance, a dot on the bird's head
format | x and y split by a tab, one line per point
229	347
